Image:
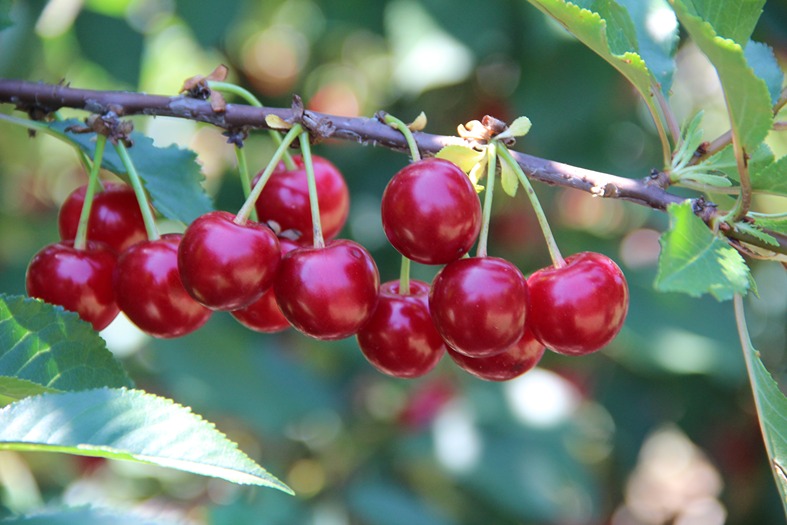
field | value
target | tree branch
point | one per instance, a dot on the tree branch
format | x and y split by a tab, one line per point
39	99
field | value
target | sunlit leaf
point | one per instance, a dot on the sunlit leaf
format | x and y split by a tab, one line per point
51	348
171	175
276	122
694	261
13	389
508	178
131	425
463	156
518	128
747	97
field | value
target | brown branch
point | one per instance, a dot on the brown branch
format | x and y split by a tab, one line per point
40	99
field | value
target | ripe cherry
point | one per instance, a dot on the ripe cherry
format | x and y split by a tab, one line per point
579	308
264	315
431	212
115	218
400	338
149	291
328	293
225	265
285	199
77	280
478	305
512	362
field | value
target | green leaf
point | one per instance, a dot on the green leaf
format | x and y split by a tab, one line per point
762	60
518	128
13	389
52	348
747	97
733	19
131	425
171	176
657	36
778	225
708	179
508	178
606	28
724	161
756	231
463	156
771	178
83	516
694	261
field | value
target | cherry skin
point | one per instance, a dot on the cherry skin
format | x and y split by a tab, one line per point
149	291
225	265
328	293
115	218
581	307
400	338
77	280
431	212
264	315
479	305
512	362
285	199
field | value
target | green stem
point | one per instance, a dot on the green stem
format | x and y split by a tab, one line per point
669	115
247	95
743	203
775	216
245	212
139	191
491	169
666	150
80	241
408	135
245	179
554	252
748	355
404	277
306	152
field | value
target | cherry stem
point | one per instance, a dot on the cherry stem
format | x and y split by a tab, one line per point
554	251
395	123
139	191
491	169
80	241
246	95
245	212
245	179
306	153
749	352
404	277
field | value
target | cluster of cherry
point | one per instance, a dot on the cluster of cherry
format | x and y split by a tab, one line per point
273	274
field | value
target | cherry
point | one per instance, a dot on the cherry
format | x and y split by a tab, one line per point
115	218
285	199
512	362
225	265
479	304
77	280
149	291
264	315
328	293
431	212
400	338
579	308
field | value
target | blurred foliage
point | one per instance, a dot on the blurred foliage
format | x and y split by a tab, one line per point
568	443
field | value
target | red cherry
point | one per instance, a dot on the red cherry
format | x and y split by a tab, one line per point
400	338
328	293
431	212
149	291
478	305
285	199
512	362
77	280
115	218
225	265
264	315
579	308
